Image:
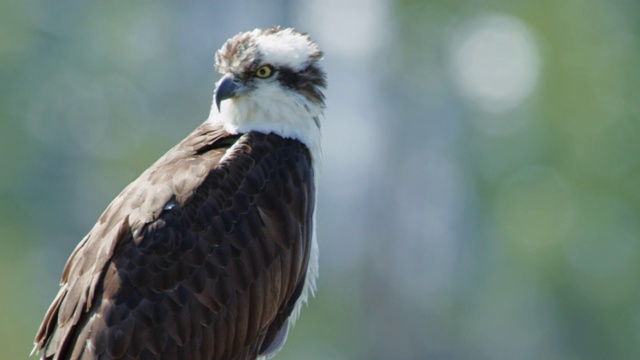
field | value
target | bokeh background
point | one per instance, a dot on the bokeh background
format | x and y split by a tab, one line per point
479	196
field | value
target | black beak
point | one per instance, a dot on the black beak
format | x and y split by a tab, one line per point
227	88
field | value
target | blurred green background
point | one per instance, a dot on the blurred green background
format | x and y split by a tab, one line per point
479	196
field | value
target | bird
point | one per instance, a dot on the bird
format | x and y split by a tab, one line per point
211	252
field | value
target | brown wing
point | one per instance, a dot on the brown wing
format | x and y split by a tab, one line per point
202	257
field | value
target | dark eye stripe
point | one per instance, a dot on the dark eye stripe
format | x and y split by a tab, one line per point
308	81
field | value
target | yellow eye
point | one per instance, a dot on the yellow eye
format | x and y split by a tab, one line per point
264	71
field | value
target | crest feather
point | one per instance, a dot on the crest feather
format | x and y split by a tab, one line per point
275	45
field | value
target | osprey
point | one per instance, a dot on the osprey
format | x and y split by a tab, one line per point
211	252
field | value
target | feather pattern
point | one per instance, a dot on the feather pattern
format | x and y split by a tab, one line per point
202	257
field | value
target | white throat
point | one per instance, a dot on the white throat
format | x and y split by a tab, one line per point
271	110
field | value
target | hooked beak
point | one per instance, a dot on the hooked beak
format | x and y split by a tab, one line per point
227	89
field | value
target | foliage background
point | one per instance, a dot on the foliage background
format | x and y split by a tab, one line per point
479	197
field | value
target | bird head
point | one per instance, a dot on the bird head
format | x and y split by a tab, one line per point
263	65
271	82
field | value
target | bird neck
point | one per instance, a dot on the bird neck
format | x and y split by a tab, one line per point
291	116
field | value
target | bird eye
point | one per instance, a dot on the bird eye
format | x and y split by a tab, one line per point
264	71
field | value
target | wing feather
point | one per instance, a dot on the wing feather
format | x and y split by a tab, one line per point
202	257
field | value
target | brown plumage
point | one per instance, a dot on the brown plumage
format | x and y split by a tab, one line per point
202	257
210	253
